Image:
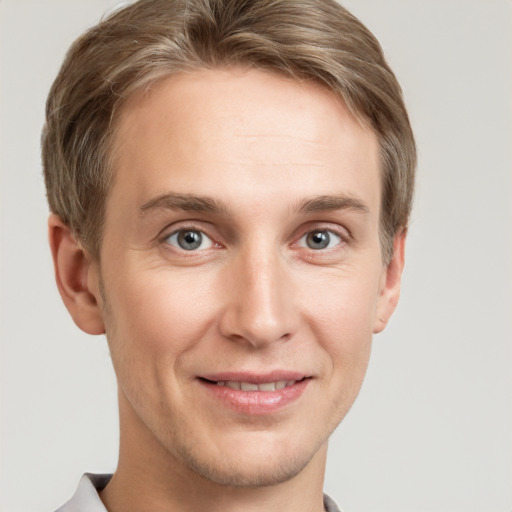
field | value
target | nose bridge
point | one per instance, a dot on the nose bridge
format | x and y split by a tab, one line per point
260	309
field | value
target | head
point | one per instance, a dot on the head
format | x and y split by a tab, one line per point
230	183
306	40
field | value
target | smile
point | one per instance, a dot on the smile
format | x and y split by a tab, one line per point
253	386
256	394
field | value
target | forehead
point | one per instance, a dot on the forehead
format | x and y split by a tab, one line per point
201	131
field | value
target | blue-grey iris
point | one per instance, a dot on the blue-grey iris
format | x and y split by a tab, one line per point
318	240
189	240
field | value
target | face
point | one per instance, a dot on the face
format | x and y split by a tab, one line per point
241	274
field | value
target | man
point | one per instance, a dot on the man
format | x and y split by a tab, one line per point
230	184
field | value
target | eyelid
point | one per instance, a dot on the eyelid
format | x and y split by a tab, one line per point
337	230
187	225
204	239
340	231
303	239
335	243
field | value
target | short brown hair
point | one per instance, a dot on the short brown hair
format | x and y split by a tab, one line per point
305	39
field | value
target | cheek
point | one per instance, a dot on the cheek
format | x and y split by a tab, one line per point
159	316
345	303
342	318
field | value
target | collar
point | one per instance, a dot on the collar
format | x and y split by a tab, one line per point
87	499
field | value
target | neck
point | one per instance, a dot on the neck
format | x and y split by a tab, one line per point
148	477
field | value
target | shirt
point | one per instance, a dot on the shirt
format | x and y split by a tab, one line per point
87	499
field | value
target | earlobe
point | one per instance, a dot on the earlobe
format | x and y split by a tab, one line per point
73	268
391	283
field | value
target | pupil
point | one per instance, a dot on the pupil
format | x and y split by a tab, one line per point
189	240
318	240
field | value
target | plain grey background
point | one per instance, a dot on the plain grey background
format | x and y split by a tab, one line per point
432	428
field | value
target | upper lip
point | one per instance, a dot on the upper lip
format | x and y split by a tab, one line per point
257	378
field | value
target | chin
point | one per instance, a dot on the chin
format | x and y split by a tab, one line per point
256	464
247	475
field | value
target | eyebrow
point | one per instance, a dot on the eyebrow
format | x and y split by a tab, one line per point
205	204
332	203
186	202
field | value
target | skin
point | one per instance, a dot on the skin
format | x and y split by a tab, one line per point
254	297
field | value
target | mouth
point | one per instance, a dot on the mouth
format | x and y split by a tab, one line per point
254	386
252	394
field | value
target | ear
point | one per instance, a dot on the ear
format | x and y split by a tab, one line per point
77	276
390	284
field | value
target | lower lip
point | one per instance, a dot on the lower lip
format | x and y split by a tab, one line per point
256	402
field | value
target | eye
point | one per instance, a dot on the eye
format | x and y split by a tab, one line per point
189	240
319	240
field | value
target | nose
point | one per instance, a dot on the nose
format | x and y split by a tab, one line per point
259	307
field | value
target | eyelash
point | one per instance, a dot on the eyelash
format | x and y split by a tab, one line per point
189	229
327	235
342	236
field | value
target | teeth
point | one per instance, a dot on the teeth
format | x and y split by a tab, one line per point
252	386
248	386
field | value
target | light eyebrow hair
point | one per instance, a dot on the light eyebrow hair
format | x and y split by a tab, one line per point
187	202
334	202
